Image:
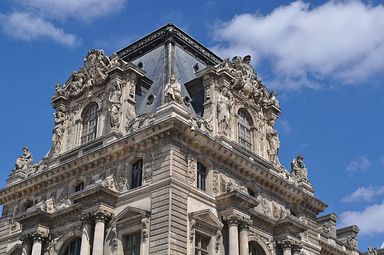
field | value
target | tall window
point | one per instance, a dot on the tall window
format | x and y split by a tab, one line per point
244	129
89	123
137	172
132	244
201	245
73	247
201	176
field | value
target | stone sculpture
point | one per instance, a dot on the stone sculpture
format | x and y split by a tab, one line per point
224	105
23	163
172	90
274	143
114	100
58	132
372	251
298	169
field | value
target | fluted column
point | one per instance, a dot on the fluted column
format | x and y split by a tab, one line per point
286	245
98	239
27	245
37	244
233	235
86	235
244	232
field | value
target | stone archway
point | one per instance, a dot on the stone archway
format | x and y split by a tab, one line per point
256	249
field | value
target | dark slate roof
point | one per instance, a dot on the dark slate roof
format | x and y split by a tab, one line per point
163	52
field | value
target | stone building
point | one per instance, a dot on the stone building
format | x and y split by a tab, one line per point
164	148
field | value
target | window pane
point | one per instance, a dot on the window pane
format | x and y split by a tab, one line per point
201	176
137	172
89	123
133	242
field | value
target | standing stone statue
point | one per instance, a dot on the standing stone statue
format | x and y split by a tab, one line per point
115	104
172	90
274	143
224	104
298	169
58	132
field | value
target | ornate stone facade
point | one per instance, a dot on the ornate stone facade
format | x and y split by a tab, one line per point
175	158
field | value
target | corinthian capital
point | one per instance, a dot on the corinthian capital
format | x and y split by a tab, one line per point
285	243
102	215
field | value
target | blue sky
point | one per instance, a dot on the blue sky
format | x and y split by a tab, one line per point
324	59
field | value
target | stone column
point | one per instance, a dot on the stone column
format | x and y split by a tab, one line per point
233	235
86	235
98	239
27	245
286	245
244	232
37	244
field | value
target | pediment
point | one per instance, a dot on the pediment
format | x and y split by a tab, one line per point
206	217
131	212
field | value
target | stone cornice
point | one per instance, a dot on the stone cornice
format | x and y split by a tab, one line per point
170	120
165	34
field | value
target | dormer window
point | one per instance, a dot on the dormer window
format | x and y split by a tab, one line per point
89	123
244	129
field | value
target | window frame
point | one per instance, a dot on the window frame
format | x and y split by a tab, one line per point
201	176
77	247
137	174
137	239
244	129
199	250
90	121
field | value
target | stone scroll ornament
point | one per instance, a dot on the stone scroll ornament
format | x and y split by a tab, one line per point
93	73
172	90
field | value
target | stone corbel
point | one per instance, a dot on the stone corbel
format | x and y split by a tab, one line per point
219	236
192	230
145	228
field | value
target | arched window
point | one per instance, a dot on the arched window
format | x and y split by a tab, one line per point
255	249
73	248
137	172
89	123
244	129
201	176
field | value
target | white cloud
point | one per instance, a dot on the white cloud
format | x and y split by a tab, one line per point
364	194
341	40
370	220
359	163
78	9
26	26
